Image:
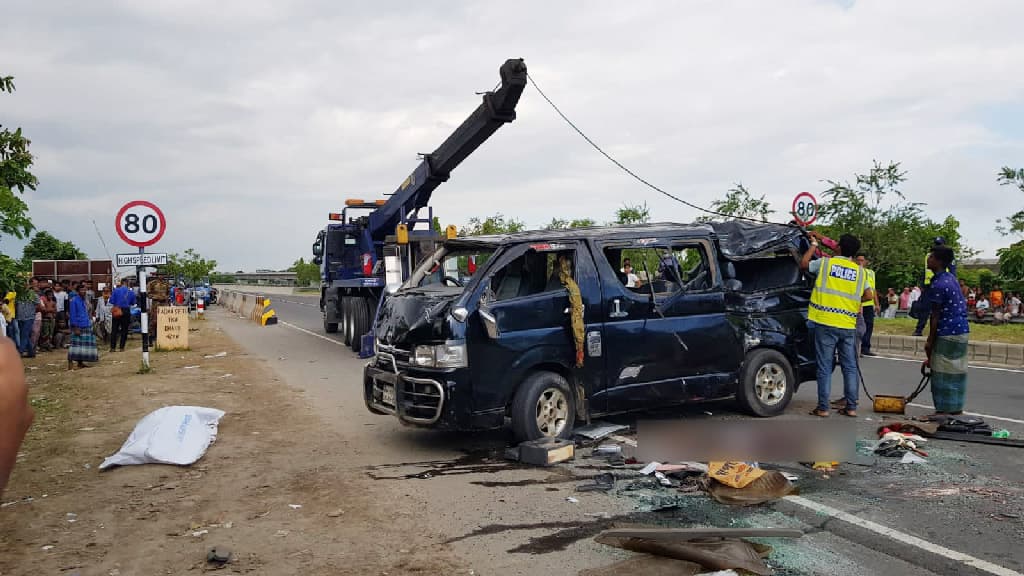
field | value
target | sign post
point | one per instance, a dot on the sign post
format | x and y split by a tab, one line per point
140	223
805	208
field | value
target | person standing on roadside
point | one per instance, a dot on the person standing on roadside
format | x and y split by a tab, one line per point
83	341
948	332
840	288
869	307
924	306
121	302
49	320
61	296
25	316
894	303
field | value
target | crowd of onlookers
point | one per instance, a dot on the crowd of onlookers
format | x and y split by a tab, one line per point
1003	307
44	317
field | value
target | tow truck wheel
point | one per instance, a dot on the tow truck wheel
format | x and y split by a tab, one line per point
766	383
330	327
346	319
360	322
544	407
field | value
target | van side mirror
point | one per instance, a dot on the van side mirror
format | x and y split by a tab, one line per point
490	323
318	260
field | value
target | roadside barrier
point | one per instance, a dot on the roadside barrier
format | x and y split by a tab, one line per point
255	307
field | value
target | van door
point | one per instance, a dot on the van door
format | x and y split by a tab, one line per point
666	333
529	305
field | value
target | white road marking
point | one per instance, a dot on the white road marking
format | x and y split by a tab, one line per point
320	336
988	416
884	530
973	367
892	534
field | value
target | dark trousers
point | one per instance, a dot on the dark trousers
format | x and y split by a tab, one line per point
926	311
119	329
869	327
28	347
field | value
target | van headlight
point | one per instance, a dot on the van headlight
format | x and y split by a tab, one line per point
451	354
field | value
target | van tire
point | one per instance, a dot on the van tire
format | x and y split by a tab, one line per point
360	322
543	391
346	319
766	383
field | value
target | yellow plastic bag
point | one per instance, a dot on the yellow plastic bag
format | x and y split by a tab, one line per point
735	474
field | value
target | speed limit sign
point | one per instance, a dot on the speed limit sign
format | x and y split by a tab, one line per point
805	208
140	223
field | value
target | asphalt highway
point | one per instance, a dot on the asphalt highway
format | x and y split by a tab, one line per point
962	512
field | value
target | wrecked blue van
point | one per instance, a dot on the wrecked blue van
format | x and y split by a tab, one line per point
482	332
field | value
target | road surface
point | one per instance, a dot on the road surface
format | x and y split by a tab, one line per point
960	513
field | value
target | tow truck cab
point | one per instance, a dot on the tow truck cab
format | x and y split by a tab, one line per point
482	331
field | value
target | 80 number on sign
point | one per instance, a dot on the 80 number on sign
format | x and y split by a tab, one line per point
805	208
140	223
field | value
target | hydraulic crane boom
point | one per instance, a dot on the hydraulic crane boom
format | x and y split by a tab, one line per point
497	108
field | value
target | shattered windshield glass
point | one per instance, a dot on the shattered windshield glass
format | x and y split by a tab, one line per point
450	266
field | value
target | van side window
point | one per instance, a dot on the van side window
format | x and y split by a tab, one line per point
664	269
532	273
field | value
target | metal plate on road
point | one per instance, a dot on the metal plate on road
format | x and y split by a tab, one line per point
141	260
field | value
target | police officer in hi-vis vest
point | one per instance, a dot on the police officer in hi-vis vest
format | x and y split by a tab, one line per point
840	286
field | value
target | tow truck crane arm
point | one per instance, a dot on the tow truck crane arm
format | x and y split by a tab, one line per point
498	107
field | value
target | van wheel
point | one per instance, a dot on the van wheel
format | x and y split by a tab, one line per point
766	383
346	319
360	323
544	407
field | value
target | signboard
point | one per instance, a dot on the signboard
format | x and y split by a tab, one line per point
140	223
172	328
805	208
141	260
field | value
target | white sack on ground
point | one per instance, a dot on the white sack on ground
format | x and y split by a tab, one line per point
170	435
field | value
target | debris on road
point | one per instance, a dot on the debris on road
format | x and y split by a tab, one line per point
170	435
734	474
546	451
572	500
712	554
911	458
601	483
598	430
295	506
217	355
770	485
218	555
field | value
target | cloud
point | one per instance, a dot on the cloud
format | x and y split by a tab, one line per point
247	122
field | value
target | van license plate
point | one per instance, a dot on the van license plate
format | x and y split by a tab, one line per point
387	394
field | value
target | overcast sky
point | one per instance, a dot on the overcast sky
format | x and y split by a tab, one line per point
248	121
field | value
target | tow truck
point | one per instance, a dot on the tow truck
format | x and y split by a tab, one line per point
374	244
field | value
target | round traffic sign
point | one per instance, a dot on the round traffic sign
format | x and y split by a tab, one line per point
140	223
805	208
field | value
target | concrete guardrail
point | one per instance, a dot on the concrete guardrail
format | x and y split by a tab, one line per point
1011	355
251	306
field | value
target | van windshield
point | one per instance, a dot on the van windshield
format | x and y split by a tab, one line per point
448	266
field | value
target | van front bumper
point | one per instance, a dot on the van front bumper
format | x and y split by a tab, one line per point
431	398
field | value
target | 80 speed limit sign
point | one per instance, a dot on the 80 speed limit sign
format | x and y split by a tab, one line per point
140	223
805	208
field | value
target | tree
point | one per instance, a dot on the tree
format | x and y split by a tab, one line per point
15	162
633	214
496	224
44	246
738	203
560	224
895	234
190	266
306	273
222	278
1010	177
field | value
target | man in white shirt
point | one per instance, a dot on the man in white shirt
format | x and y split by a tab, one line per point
1011	310
981	307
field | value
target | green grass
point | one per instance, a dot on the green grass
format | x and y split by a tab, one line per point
1009	333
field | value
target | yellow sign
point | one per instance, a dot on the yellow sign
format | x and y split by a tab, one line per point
735	474
172	328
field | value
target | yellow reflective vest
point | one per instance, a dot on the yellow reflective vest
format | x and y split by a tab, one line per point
928	274
836	298
870	284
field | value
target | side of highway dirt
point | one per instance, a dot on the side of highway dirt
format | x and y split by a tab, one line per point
274	489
